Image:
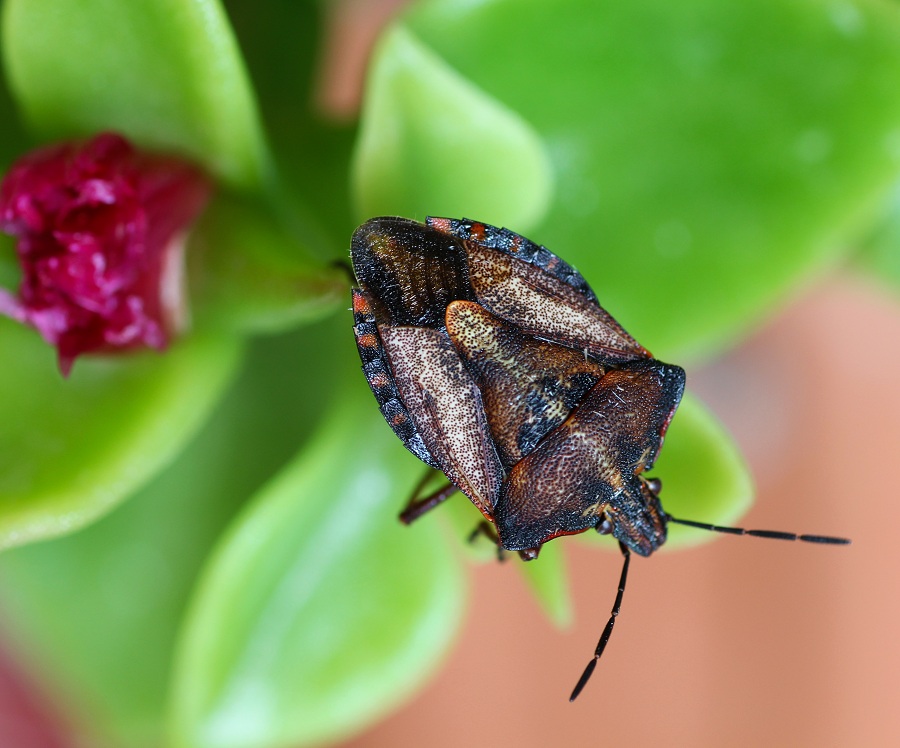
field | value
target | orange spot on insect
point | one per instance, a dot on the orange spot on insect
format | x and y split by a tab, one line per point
440	224
398	419
361	304
477	232
380	380
367	341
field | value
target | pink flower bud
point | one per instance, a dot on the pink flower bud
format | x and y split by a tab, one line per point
101	231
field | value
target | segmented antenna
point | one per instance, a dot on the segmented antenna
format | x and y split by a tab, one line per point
607	631
774	534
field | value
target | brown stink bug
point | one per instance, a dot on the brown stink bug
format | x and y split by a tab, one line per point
492	360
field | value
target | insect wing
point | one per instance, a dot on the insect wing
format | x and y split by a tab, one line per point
408	274
528	386
446	407
413	279
586	469
535	290
378	374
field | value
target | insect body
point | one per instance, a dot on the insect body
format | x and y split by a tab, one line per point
493	362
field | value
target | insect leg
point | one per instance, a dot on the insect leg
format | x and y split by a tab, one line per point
490	532
417	505
607	631
487	529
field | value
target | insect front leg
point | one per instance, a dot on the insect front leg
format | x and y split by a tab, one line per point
487	529
419	505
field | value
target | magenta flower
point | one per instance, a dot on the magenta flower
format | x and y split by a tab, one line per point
101	230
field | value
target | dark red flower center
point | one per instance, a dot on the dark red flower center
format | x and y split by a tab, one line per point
100	232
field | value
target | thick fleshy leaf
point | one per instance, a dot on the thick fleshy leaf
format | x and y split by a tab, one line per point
77	606
167	74
287	53
707	155
881	251
71	449
10	270
431	140
334	610
13	140
547	578
462	519
249	274
704	477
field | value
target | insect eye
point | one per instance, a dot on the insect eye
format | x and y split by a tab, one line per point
655	485
604	527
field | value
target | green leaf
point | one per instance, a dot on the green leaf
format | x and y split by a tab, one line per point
319	611
708	156
432	143
547	578
250	275
881	250
13	140
77	606
10	269
287	53
71	449
166	73
703	474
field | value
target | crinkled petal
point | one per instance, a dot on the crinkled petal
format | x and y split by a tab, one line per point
100	227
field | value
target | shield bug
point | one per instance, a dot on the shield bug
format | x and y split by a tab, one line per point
492	360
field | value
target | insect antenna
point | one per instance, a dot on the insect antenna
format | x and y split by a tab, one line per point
607	631
774	534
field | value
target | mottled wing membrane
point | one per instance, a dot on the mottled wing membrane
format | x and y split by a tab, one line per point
528	285
547	308
588	466
447	409
528	386
381	380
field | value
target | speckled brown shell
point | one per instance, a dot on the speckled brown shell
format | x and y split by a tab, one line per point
491	359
